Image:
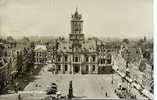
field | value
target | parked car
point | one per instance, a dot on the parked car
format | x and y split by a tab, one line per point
52	89
11	92
121	92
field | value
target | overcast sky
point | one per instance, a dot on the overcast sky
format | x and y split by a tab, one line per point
102	18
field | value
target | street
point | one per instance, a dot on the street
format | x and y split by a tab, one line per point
83	85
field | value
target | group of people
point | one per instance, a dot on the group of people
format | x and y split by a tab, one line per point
37	85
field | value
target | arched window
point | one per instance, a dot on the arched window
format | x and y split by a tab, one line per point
87	58
66	67
76	59
66	58
93	58
93	68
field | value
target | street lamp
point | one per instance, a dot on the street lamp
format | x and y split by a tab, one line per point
70	95
112	78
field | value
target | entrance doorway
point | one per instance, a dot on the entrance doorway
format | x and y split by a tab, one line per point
76	68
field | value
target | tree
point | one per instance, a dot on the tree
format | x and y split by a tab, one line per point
2	50
31	60
10	39
26	39
19	62
140	42
126	41
57	44
32	45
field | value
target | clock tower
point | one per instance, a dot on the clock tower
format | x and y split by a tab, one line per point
76	36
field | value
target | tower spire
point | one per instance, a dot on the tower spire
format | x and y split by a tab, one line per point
76	9
76	12
76	36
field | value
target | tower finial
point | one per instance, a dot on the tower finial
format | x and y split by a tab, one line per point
76	12
76	9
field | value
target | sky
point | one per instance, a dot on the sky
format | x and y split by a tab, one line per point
102	18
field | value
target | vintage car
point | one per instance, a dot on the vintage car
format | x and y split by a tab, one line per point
121	91
52	89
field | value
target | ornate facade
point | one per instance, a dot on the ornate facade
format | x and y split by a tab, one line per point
79	55
40	54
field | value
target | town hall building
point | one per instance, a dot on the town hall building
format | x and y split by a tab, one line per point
81	56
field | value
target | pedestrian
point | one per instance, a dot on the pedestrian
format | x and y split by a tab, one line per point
106	94
19	97
36	85
125	95
115	90
135	97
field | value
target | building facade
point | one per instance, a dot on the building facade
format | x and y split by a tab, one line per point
40	55
105	61
79	55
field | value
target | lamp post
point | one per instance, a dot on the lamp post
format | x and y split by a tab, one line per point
70	95
112	78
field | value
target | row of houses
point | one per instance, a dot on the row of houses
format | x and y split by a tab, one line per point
130	60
